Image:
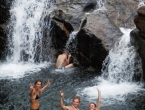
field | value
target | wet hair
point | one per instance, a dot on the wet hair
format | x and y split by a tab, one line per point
77	97
38	81
93	103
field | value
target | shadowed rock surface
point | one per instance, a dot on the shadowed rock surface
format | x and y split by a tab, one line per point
138	36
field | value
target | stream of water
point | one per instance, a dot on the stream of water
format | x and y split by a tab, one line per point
118	89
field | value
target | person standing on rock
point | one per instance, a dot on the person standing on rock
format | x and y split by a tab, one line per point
34	94
93	106
75	103
63	61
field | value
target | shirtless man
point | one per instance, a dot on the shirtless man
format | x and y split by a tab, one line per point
74	106
93	106
63	61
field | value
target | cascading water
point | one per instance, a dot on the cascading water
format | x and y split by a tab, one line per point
122	62
71	43
118	72
26	32
25	37
141	3
101	4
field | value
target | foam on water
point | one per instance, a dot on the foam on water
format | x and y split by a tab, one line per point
118	73
18	70
141	3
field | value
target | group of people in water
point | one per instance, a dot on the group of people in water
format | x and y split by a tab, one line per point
36	90
63	61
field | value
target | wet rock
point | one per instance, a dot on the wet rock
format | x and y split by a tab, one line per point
141	11
137	36
91	52
4	10
3	41
138	40
139	19
122	12
99	23
75	9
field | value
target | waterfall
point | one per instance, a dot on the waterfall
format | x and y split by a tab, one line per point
122	63
25	38
101	4
71	43
26	29
141	3
119	69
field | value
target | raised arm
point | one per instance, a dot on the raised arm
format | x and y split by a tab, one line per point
47	84
99	100
31	89
68	59
61	101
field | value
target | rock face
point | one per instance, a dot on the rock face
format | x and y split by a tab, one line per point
139	19
138	36
3	41
122	12
91	52
99	23
4	16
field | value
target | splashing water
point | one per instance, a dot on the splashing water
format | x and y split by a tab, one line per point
71	43
141	3
122	61
26	26
117	74
25	37
101	4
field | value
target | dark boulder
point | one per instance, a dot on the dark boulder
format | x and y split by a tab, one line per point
139	19
137	36
3	42
90	50
138	40
4	10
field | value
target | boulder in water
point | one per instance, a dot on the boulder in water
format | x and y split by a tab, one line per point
100	25
90	50
138	35
139	19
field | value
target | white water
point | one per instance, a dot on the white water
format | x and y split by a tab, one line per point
141	3
72	40
25	35
116	81
25	27
101	4
18	70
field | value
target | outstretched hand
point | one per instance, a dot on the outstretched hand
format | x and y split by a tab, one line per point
61	94
31	86
48	82
98	89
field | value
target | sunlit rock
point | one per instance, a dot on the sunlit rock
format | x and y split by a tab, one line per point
122	12
100	25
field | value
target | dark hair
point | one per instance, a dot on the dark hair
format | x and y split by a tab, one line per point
38	81
93	103
77	97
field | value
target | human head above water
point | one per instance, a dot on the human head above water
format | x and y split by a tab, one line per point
76	101
77	97
92	106
38	81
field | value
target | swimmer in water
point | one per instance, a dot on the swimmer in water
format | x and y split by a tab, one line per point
34	94
93	106
63	61
75	103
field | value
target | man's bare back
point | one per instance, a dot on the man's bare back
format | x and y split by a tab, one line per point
63	60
